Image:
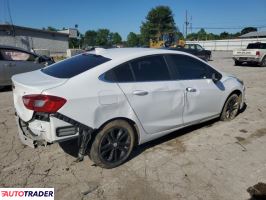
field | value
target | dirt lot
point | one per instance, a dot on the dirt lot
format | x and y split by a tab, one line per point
215	160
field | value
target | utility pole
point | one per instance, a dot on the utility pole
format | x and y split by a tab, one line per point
190	24
186	23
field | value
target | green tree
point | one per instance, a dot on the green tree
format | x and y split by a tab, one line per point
248	30
160	20
224	35
76	42
192	36
73	43
102	37
180	35
202	34
116	38
50	28
133	40
90	38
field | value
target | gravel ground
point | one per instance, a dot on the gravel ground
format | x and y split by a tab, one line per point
215	160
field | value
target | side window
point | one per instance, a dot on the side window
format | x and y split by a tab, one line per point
186	46
192	46
199	47
121	73
150	68
188	68
14	55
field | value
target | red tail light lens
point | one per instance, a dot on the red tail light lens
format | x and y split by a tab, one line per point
43	103
257	53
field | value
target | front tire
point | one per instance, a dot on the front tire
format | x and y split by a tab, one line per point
113	144
231	108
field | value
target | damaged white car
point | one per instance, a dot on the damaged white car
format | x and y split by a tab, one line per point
115	99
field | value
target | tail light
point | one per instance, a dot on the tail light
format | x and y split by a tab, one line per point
43	103
257	53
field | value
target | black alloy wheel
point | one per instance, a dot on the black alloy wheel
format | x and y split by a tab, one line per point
113	144
231	108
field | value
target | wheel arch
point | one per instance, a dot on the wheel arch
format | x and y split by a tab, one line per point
237	92
131	123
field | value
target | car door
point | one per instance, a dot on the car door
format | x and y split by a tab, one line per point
203	96
200	52
16	61
157	100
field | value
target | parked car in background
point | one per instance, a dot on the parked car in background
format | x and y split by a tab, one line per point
255	53
194	49
119	98
15	60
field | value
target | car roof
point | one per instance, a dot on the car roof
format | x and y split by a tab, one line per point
120	53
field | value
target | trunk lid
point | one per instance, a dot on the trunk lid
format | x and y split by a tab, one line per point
31	83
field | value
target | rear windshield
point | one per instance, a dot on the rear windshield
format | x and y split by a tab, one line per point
74	66
257	46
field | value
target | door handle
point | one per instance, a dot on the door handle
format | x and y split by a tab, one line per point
140	92
189	89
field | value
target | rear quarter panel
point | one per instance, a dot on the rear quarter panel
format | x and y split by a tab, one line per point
93	102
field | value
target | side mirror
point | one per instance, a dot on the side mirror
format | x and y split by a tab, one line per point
216	77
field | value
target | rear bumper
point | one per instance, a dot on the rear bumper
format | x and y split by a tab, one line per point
42	132
246	59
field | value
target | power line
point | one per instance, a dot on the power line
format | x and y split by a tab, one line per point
202	27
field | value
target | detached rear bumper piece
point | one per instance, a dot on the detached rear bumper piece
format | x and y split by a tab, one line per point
45	129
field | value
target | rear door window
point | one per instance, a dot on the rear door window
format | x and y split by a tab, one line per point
120	74
150	68
73	66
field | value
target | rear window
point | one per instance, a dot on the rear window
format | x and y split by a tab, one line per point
256	46
73	66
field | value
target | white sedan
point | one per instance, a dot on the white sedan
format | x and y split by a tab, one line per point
115	99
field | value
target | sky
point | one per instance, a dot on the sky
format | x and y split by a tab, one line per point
124	16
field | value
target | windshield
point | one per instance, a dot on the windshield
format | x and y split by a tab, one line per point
74	65
256	46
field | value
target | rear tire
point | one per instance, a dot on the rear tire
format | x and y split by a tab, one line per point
113	144
238	63
263	62
231	108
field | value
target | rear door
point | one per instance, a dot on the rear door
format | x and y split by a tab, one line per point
202	96
156	99
15	62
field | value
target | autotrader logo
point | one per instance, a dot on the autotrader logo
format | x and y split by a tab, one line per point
27	193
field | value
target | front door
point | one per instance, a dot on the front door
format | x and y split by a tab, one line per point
203	97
